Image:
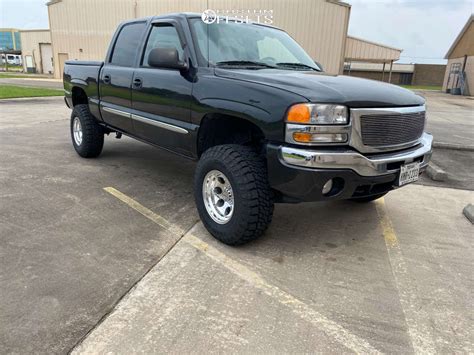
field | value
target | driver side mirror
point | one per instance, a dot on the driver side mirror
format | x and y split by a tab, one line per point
165	58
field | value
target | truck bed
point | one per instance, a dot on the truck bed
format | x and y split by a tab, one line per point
82	74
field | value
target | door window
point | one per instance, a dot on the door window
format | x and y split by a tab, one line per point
126	46
164	36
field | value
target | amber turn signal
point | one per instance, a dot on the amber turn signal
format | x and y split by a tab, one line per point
302	137
299	113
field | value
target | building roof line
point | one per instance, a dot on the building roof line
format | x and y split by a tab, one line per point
36	30
336	2
340	3
375	43
460	35
52	2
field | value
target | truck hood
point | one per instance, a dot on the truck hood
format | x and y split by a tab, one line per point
326	88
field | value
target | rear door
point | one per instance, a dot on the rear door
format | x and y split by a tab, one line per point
117	74
162	97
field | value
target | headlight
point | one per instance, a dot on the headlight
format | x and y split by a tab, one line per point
323	114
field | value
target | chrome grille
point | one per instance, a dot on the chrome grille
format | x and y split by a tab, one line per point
391	129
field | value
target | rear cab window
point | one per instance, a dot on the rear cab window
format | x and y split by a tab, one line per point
127	44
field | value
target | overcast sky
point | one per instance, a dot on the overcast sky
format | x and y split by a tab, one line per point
424	29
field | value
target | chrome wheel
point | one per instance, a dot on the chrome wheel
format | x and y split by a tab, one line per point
218	196
77	130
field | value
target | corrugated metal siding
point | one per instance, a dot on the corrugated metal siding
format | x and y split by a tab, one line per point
87	25
30	41
318	25
464	42
465	45
469	74
360	50
160	7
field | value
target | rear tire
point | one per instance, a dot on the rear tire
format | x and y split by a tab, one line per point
86	134
242	207
369	198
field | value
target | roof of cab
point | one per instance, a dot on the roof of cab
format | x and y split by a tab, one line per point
186	15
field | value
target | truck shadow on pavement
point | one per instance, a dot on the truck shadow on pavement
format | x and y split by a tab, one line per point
321	227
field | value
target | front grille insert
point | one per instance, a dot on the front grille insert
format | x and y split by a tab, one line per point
392	129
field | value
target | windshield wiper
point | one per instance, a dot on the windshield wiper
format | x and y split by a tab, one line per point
244	63
296	66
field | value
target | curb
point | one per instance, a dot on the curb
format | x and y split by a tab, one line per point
34	97
453	146
436	173
468	212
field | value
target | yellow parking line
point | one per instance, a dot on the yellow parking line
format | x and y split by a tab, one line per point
387	228
156	218
416	318
301	309
331	328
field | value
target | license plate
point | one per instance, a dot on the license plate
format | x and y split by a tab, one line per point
409	173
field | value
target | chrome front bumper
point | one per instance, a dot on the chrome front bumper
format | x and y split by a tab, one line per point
374	165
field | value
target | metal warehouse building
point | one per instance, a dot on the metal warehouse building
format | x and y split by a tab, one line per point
459	77
82	29
36	51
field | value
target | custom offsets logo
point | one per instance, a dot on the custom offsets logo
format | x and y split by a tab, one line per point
238	16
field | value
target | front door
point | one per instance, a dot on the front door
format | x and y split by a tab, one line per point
161	98
46	58
62	58
116	77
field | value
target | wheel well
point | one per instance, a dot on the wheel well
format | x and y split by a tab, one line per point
78	96
218	129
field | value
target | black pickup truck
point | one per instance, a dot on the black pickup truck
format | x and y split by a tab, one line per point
264	121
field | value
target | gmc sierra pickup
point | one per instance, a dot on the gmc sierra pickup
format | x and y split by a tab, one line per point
264	121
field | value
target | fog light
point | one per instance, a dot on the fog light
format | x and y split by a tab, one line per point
327	187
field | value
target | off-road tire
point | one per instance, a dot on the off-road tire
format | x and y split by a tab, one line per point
369	198
253	203
92	133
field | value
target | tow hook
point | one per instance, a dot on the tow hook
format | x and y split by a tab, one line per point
118	135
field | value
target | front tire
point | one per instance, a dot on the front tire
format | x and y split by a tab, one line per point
86	134
232	194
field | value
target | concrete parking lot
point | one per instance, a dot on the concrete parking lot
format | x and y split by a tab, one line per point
450	118
108	256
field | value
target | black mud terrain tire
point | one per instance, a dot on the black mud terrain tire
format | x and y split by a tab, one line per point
246	173
369	198
90	143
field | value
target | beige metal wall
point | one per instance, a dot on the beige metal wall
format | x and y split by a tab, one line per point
82	29
469	74
30	45
464	44
366	51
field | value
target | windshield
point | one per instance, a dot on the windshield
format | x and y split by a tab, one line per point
234	44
